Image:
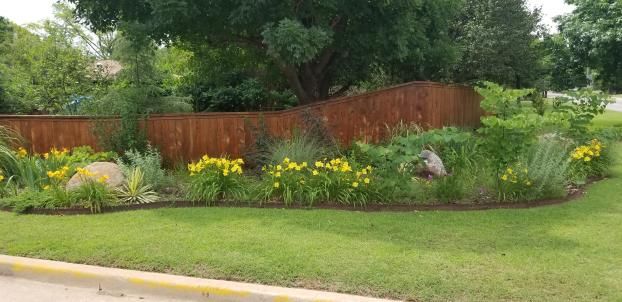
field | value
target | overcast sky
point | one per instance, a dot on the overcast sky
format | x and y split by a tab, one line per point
28	11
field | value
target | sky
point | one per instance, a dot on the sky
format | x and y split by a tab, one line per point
29	11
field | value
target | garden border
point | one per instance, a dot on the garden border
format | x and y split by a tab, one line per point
369	208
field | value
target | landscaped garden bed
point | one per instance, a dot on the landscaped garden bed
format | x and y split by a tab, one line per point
517	159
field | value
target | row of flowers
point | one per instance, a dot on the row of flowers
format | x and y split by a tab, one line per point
212	179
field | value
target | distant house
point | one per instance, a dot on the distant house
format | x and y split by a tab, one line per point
107	69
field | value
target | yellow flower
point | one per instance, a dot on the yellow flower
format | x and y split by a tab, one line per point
286	160
277	174
46	187
276	184
103	178
315	173
528	183
510	171
46	155
366	180
21	152
355	184
319	164
587	158
225	172
504	177
1	177
279	167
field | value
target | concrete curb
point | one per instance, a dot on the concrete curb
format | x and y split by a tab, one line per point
119	281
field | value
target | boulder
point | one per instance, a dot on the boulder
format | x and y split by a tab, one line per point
433	164
98	169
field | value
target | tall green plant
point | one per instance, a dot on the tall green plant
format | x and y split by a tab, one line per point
507	131
581	107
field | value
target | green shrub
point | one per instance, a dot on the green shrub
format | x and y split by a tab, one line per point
581	107
548	169
213	179
27	200
150	164
136	190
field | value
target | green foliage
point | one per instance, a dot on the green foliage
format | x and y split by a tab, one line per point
497	39
310	183
401	153
315	46
589	160
94	195
581	107
548	164
507	132
136	189
42	72
300	148
213	179
148	162
565	69
27	200
592	31
291	42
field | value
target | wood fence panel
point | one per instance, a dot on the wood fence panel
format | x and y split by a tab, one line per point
188	136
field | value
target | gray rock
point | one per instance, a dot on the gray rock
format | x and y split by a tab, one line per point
433	163
99	169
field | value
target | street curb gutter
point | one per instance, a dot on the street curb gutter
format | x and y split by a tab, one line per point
112	280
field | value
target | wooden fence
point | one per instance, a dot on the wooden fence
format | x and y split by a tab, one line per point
188	136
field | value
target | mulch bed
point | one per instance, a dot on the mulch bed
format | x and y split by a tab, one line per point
369	208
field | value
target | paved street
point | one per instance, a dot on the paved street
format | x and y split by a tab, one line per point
21	290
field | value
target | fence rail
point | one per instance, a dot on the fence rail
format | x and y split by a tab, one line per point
188	136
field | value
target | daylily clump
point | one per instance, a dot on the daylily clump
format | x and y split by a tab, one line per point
324	180
588	152
222	165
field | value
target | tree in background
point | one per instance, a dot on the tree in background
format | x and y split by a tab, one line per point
320	48
565	71
42	69
497	39
594	35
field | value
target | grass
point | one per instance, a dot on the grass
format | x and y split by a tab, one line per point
609	119
569	252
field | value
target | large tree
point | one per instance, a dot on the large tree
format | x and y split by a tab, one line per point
496	39
595	36
321	48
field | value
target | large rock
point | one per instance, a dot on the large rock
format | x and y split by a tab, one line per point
433	164
99	169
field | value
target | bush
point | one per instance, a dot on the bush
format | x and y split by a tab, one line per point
548	169
581	107
149	162
213	179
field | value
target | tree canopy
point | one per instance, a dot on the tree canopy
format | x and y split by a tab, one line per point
595	38
496	39
320	48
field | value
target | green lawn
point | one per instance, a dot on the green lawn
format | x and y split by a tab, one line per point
570	252
609	119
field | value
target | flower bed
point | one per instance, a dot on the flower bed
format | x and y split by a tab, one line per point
516	157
